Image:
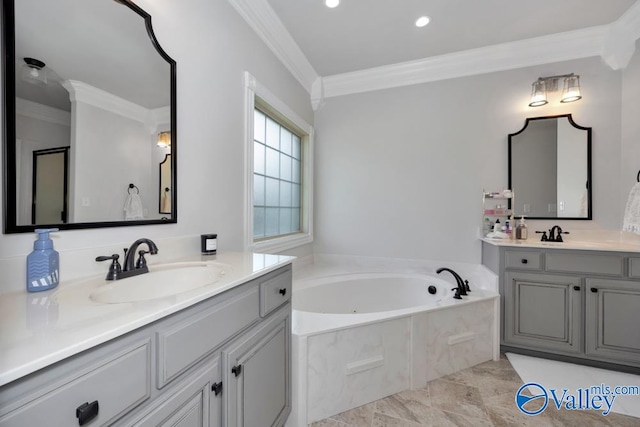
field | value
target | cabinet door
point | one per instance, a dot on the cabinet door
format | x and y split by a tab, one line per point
190	403
612	320
257	374
543	311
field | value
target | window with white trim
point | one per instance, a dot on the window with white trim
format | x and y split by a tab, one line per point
279	173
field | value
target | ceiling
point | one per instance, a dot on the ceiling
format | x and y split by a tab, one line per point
99	42
362	34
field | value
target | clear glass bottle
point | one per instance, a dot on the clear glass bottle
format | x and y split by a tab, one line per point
521	230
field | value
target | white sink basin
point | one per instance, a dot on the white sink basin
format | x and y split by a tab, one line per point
161	281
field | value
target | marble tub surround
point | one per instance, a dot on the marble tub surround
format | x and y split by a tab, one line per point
39	329
322	265
482	395
342	361
591	240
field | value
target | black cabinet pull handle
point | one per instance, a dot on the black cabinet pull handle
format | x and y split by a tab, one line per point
87	412
524	260
236	370
594	290
283	291
216	388
576	288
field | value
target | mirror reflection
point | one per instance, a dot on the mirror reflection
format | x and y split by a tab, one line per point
165	185
93	91
550	169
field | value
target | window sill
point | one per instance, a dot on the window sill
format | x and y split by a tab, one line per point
280	244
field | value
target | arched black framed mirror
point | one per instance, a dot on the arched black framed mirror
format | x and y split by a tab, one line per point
89	75
550	169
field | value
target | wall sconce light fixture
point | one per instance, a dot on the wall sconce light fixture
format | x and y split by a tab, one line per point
164	139
540	88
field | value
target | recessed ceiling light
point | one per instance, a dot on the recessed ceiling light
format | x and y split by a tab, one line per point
422	21
331	3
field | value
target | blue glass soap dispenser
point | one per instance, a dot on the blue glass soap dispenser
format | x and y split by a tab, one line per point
43	263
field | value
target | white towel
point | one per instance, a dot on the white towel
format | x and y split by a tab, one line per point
133	207
631	220
166	202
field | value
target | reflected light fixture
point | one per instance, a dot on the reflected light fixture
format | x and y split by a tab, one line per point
540	88
33	71
164	139
331	3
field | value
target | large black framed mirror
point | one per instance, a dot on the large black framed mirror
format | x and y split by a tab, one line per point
89	75
550	169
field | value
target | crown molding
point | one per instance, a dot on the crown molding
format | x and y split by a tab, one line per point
620	43
614	43
505	56
90	95
266	24
42	112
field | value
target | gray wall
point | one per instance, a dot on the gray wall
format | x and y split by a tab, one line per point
400	172
212	46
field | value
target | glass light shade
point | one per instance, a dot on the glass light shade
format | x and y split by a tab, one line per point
538	94
571	91
164	139
34	75
331	3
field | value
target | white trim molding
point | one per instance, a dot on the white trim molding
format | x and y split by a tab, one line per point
614	43
90	95
506	56
42	112
254	89
264	21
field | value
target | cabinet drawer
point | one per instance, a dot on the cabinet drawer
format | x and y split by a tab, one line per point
192	338
523	260
634	267
610	265
274	292
118	385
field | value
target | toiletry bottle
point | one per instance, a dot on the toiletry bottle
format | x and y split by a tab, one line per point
43	263
486	227
521	230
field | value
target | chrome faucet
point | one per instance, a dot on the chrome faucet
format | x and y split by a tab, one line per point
463	286
131	266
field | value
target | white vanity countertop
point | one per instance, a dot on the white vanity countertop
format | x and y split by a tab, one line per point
39	329
594	242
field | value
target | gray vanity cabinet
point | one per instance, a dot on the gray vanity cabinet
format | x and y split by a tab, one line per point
176	371
192	404
612	319
543	310
574	305
257	375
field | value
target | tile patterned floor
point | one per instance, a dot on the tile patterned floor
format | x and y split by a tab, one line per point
479	396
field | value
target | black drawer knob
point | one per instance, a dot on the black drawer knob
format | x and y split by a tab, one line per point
236	370
217	388
86	412
283	291
576	288
594	290
524	260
